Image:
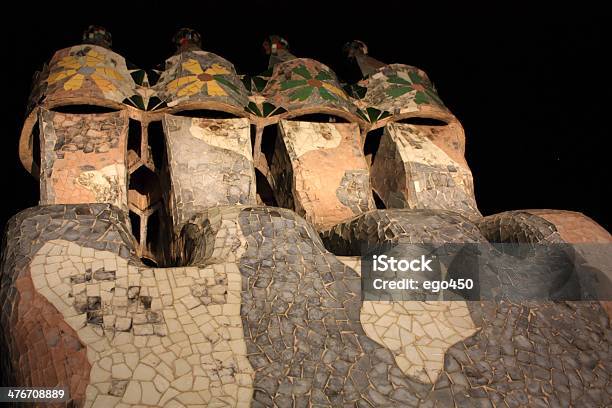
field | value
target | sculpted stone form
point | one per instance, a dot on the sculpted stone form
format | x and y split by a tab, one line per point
210	164
410	171
198	244
84	160
324	167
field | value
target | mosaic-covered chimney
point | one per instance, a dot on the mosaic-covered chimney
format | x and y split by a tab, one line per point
416	147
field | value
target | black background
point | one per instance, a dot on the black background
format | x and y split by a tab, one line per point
530	86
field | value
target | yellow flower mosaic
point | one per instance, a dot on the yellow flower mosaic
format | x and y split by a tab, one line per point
77	68
192	84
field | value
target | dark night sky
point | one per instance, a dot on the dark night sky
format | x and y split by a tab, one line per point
527	85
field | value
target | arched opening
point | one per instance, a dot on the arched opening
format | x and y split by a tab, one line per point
265	194
135	222
134	141
419	121
153	232
80	109
278	166
157	144
145	182
372	143
206	114
268	142
428	127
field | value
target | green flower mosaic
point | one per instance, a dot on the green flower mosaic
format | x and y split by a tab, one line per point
424	90
305	87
